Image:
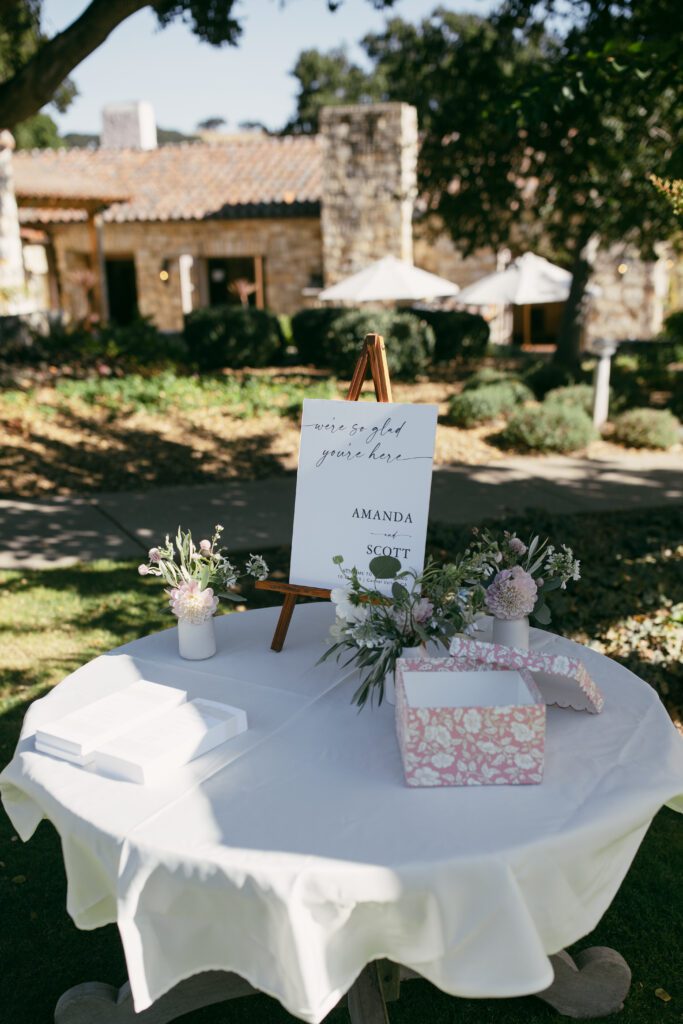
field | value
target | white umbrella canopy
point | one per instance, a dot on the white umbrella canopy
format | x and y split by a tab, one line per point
528	280
389	280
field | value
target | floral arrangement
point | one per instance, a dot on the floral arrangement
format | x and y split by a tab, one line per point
373	627
198	575
519	575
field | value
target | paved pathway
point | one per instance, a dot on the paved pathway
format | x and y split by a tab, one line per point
258	514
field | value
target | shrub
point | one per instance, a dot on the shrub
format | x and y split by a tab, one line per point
549	428
409	341
486	403
232	336
544	377
577	396
457	334
309	329
647	428
487	375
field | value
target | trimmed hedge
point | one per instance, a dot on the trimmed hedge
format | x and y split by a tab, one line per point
409	341
487	375
549	428
576	396
544	377
457	334
486	403
309	327
232	336
647	428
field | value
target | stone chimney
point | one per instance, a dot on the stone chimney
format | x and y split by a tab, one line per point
128	126
12	281
369	185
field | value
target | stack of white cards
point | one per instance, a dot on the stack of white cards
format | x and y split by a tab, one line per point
141	732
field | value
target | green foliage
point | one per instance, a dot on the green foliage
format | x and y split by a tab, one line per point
328	80
232	336
486	403
545	377
647	428
458	335
243	397
673	332
487	375
38	132
577	396
549	428
128	347
409	341
309	328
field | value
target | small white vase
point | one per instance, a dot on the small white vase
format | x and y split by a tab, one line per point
196	641
511	632
389	679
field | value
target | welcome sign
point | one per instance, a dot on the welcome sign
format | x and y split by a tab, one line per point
363	486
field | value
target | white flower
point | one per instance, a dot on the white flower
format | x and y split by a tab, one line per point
438	734
143	570
256	567
472	720
521	732
191	604
426	776
524	761
442	760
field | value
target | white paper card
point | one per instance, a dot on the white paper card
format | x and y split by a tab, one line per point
363	486
80	732
147	753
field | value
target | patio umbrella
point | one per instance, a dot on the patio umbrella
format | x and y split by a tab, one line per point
528	280
389	280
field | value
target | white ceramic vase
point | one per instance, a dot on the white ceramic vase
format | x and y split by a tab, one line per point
511	632
196	641
389	681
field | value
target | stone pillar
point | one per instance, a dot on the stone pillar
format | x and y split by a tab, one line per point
369	185
12	282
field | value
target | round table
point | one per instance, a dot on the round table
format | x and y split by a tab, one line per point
295	855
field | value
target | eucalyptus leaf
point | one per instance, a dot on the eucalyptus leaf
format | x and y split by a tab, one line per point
385	567
542	613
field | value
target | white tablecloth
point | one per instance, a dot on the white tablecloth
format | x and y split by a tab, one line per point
295	854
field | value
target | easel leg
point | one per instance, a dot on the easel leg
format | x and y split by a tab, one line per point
365	999
286	612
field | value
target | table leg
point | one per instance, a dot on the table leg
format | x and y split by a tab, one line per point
592	984
96	1003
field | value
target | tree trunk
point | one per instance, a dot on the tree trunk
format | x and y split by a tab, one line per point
35	83
568	351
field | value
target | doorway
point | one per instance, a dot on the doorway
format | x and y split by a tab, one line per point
236	281
122	290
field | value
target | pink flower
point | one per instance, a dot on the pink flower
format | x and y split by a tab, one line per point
423	610
190	603
154	555
205	547
517	546
512	594
143	570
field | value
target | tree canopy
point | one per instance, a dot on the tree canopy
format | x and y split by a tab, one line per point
34	69
542	132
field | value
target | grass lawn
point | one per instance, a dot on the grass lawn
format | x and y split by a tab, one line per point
54	620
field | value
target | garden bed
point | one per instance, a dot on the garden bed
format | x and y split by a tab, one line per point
73	437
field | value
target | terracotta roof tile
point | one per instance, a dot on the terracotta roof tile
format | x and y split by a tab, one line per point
250	175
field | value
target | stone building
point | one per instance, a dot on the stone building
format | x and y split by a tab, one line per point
132	229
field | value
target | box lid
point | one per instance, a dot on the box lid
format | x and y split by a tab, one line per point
562	680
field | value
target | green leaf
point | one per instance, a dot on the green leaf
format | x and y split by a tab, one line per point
399	592
542	613
384	567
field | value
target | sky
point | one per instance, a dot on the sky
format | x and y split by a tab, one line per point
187	81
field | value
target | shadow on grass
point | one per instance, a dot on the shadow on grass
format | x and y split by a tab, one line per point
133	459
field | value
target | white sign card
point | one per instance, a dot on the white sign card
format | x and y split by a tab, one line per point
362	489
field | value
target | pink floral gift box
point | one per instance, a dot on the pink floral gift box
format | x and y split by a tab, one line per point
563	681
463	723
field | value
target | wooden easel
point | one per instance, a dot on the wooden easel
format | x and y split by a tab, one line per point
374	355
